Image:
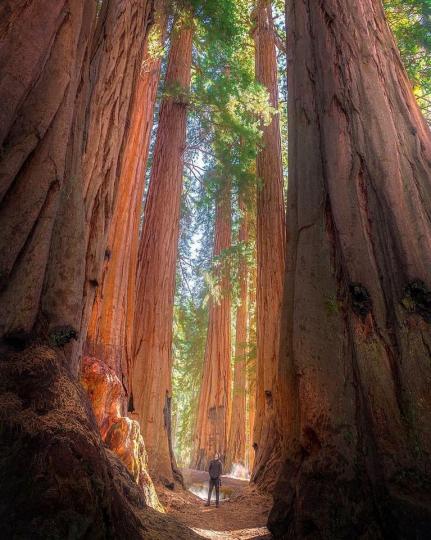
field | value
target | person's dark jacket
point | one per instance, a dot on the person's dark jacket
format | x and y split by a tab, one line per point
215	469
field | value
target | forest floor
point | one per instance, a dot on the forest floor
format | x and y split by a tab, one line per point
242	514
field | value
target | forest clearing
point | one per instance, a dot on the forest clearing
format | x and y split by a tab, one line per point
215	269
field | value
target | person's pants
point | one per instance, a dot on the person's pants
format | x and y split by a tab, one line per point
214	483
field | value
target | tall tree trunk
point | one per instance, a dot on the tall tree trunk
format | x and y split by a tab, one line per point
356	321
251	393
270	259
215	394
110	331
117	56
236	449
151	381
45	90
251	367
65	199
43	54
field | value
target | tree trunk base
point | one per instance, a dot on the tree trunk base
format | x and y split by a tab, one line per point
324	497
56	478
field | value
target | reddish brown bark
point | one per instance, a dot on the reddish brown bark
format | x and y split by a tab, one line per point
117	56
65	199
157	257
270	241
356	321
42	52
212	426
60	476
110	331
236	448
251	368
119	433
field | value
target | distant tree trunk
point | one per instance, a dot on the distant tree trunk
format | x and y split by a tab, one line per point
270	259
251	392
152	364
236	449
110	330
212	424
43	54
251	368
356	344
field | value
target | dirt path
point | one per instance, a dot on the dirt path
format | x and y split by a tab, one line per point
242	516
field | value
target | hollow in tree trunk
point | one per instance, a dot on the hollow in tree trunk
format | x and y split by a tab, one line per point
356	345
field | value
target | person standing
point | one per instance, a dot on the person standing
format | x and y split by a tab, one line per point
215	471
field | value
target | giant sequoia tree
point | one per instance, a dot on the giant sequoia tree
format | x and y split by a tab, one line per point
270	242
116	62
152	363
62	141
36	120
212	426
236	451
110	331
64	101
356	344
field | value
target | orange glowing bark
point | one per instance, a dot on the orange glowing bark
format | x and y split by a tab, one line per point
215	395
116	64
95	153
152	364
111	325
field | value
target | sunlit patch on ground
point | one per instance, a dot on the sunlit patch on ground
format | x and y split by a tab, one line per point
260	533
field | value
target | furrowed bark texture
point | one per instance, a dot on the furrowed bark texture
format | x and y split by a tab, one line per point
70	486
151	381
356	344
110	331
43	47
270	260
236	449
116	64
57	204
212	426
